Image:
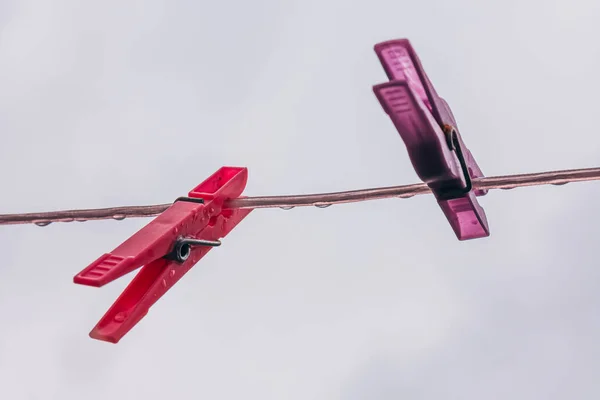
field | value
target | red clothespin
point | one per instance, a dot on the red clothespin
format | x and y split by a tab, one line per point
426	124
167	248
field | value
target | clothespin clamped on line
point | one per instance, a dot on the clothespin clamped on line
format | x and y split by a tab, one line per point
426	124
167	248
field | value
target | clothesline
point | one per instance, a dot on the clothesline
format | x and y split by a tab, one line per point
317	200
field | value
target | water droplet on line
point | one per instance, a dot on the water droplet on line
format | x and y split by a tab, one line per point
42	223
118	217
405	196
287	207
322	205
560	183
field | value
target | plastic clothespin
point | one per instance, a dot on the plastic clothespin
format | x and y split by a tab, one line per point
167	248
426	124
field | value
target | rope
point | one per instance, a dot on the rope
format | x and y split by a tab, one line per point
321	200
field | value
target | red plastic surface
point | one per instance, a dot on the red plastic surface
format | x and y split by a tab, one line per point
420	117
148	246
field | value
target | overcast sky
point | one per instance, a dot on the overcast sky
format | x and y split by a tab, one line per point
113	103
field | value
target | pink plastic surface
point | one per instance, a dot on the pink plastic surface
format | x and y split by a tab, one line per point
148	246
421	118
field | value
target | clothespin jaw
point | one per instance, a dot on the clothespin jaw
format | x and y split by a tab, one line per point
167	248
429	131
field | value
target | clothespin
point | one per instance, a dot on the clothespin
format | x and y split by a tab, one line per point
167	248
426	124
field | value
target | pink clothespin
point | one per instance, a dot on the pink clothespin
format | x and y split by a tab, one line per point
167	248
426	124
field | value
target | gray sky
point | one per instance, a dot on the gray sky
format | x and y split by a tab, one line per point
120	103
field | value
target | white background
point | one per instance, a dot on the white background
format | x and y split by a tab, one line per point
136	102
